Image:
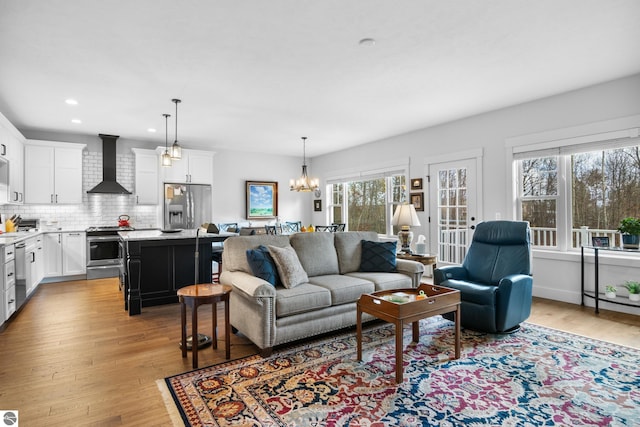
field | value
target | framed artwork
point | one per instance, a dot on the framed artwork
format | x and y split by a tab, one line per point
262	199
417	200
416	184
600	242
317	205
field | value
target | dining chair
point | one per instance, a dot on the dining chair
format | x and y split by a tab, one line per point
292	226
339	226
326	228
273	229
217	248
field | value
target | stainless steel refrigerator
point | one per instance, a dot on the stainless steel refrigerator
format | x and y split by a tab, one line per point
186	205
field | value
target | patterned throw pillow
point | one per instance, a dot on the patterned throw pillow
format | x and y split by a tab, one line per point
291	272
378	256
262	265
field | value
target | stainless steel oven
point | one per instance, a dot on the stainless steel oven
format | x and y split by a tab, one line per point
104	252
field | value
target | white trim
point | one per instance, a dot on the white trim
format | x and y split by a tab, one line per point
476	153
397	165
58	144
4	122
603	130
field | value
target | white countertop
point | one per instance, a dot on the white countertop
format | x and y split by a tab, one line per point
159	235
18	236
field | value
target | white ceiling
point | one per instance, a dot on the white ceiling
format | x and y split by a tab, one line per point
257	75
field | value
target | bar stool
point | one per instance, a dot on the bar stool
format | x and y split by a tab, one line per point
195	296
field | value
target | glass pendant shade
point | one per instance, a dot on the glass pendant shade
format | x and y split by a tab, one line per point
176	150
165	158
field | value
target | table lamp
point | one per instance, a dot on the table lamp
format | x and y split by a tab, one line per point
406	217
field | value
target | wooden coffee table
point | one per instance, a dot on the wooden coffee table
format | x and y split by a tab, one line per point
400	306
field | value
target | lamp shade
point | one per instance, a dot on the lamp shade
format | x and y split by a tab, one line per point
405	215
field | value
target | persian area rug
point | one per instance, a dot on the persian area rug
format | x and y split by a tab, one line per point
534	377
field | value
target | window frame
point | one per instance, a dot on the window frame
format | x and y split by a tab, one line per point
614	133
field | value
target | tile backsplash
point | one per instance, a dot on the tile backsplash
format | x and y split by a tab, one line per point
96	209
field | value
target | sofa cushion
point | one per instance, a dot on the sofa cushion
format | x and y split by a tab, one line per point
262	265
385	281
349	248
316	252
378	256
234	256
344	289
289	268
303	298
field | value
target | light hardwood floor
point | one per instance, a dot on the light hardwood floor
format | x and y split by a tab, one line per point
73	356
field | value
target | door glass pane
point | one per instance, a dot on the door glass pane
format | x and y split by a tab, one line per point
452	211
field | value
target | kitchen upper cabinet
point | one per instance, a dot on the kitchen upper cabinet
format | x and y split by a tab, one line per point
195	167
11	163
53	172
146	176
65	254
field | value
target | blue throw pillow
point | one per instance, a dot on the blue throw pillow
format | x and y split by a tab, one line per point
378	256
262	265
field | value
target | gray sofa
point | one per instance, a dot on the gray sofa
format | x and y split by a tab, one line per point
272	315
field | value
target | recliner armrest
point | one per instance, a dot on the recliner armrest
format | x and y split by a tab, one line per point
456	272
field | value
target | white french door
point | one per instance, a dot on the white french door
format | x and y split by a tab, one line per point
453	195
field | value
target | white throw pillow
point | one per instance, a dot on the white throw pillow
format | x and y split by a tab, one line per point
288	265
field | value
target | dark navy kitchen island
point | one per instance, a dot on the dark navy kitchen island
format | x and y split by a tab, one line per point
157	264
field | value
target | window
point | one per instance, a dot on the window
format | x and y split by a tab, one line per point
367	204
575	195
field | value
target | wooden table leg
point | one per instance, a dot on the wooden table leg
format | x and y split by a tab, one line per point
458	332
415	326
358	334
399	344
194	334
227	332
183	323
214	321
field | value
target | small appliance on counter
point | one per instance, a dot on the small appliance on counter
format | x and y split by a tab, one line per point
27	224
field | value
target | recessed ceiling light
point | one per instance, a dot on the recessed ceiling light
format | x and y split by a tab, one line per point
71	101
152	130
367	42
76	121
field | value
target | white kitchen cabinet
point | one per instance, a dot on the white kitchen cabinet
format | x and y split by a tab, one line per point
74	253
53	172
52	254
11	163
195	167
65	254
34	267
146	176
8	295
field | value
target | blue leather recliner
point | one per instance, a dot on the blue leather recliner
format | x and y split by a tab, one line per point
494	279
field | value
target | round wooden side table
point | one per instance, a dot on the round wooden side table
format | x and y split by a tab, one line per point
195	296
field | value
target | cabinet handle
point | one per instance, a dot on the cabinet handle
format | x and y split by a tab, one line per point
56	198
10	274
21	197
137	200
33	257
4	150
74	234
11	301
10	253
16	197
52	198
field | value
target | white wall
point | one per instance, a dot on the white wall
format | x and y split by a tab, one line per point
553	278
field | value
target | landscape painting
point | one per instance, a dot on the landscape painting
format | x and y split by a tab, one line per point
262	199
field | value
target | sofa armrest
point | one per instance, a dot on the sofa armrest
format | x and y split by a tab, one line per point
456	272
412	269
250	286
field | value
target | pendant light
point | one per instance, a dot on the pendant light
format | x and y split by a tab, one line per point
304	183
166	157
176	150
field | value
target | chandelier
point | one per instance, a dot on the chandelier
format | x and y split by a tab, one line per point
304	183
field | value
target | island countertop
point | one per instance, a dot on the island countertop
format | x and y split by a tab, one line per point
138	235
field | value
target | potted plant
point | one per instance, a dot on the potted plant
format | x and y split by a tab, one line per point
630	229
634	289
610	291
